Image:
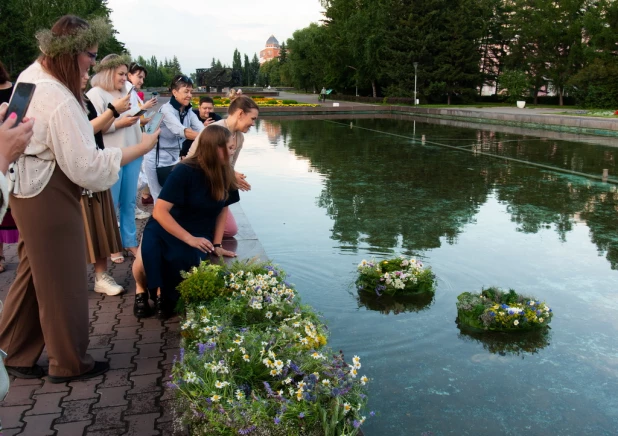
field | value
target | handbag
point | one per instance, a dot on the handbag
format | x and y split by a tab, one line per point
163	173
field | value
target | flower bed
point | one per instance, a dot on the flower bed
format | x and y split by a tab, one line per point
261	101
254	359
398	276
497	310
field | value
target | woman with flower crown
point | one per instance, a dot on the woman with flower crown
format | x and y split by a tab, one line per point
47	305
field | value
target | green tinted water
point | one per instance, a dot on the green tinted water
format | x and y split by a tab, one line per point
325	196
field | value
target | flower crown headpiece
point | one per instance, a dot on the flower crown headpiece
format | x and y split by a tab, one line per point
111	62
79	41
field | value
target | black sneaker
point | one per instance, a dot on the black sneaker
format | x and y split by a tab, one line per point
98	369
141	307
25	371
163	308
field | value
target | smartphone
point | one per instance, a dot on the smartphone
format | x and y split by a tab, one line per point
140	113
22	96
154	123
131	89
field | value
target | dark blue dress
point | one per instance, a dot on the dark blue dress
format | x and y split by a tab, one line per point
194	209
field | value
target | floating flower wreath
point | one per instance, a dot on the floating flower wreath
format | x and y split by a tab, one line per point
398	276
497	310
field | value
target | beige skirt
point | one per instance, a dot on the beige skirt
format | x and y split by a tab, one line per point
100	225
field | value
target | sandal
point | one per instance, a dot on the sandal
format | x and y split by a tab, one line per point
117	259
2	267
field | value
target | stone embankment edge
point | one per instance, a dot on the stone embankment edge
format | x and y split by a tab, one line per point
561	123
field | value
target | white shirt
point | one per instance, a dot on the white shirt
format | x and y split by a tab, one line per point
115	138
64	136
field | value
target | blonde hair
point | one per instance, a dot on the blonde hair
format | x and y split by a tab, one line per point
106	69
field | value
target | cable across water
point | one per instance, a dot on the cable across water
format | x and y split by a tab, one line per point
462	148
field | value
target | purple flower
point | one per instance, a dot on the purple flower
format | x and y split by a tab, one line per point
247	430
182	355
201	348
301	415
211	345
356	424
372	413
277	420
243	330
268	389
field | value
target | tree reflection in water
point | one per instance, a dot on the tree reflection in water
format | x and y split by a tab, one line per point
385	190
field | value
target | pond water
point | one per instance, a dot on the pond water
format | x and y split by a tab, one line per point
327	195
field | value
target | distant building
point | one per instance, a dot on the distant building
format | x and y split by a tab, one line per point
271	51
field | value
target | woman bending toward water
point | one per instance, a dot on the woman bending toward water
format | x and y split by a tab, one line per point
187	222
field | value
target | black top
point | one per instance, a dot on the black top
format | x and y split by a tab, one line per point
213	116
5	94
194	209
92	114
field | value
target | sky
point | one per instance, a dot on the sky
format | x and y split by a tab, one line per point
198	30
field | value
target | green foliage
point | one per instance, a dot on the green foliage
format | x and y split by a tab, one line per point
596	86
516	84
202	283
289	101
21	19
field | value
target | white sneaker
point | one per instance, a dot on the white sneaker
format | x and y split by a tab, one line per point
107	285
141	214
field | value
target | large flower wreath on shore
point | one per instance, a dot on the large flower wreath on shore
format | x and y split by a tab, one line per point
254	359
497	310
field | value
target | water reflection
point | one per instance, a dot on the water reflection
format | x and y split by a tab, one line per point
395	305
389	192
516	344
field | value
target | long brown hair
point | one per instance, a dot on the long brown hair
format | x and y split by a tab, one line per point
64	67
220	175
246	104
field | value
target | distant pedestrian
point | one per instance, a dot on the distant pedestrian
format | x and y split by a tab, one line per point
323	94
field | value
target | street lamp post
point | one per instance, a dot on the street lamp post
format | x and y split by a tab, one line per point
356	74
415	67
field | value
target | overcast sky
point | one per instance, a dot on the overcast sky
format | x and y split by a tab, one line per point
198	30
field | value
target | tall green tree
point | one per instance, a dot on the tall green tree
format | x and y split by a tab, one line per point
21	19
237	61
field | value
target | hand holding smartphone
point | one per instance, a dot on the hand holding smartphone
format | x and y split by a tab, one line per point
22	96
154	123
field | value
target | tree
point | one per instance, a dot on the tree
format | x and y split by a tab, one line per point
283	53
246	72
237	61
21	19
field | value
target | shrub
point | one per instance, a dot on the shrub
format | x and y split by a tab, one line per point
202	283
289	102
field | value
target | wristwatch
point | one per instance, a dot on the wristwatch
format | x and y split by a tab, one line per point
113	109
217	245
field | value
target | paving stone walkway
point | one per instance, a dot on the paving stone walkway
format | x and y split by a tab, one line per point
132	397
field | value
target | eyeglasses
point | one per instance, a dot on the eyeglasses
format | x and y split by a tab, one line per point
91	55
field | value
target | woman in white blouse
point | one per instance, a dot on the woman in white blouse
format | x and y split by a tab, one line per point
47	305
108	84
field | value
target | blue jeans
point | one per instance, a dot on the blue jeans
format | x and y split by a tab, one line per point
124	192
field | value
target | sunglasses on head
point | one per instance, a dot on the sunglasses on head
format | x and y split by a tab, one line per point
183	79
